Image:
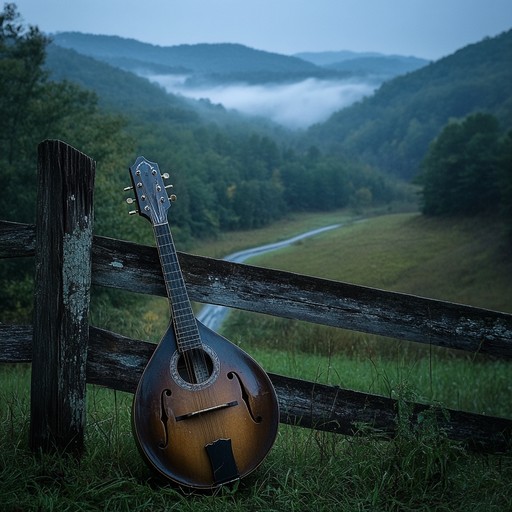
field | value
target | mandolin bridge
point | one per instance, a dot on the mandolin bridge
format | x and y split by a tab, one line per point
206	410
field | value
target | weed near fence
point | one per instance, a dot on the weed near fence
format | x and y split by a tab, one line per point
307	470
420	463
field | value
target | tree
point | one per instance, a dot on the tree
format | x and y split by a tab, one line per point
505	179
33	108
460	170
22	52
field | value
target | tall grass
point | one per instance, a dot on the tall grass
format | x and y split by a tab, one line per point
376	365
307	470
460	260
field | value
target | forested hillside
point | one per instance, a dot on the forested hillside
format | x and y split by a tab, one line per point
390	130
393	128
227	174
127	93
229	171
365	63
228	60
115	88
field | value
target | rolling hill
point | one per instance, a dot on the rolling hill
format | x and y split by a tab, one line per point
390	129
224	59
116	88
393	128
365	63
125	92
227	62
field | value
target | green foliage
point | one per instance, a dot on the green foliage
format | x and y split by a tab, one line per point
393	128
21	79
34	108
420	469
223	58
463	173
505	179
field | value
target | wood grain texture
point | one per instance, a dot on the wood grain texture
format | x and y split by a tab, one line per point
62	283
117	362
134	267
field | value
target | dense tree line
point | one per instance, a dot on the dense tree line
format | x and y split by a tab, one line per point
392	129
225	176
33	108
468	169
239	181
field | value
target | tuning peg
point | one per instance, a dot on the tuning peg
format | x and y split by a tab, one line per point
169	186
130	200
127	188
133	212
172	197
165	175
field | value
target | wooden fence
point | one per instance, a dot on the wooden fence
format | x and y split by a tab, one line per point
66	352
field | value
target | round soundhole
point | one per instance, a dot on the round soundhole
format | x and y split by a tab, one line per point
196	368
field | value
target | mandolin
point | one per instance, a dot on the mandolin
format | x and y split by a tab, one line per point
204	413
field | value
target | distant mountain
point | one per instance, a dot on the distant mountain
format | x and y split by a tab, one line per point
116	88
204	59
368	64
332	57
393	128
223	63
124	92
389	66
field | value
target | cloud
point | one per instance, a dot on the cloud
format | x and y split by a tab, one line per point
295	105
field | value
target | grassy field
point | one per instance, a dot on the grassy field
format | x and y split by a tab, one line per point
307	471
466	261
460	261
294	224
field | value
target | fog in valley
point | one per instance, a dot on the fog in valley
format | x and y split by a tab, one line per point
295	105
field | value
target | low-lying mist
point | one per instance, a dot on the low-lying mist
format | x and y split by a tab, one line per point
295	105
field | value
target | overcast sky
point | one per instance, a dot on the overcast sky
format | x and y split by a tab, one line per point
424	28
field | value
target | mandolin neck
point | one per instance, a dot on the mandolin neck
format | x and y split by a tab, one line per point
187	334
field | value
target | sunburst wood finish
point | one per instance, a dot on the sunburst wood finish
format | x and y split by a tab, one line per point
204	413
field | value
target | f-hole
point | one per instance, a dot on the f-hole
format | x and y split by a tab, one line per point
245	397
164	417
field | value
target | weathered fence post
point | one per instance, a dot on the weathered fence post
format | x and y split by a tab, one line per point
64	220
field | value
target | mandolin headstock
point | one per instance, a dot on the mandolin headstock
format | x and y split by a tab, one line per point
150	191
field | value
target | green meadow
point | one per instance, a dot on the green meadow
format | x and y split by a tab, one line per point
459	260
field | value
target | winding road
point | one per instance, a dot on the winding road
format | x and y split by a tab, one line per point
211	315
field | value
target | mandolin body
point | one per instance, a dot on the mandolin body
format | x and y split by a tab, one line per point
204	412
202	435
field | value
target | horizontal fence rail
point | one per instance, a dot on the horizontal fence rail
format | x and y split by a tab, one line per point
135	267
117	362
66	352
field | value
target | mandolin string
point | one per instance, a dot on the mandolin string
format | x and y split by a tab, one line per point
174	287
178	294
210	425
170	265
